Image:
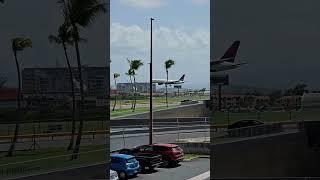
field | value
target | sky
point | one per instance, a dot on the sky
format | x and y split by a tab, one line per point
37	20
279	40
181	31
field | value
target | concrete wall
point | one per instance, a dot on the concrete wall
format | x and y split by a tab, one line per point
271	156
195	147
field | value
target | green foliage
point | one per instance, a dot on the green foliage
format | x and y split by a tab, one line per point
169	63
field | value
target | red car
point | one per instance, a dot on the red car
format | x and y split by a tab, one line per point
171	153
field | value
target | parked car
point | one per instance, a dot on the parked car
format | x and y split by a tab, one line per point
249	127
125	165
245	123
150	161
113	175
171	153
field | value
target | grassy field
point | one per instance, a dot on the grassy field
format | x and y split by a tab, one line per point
127	112
158	101
36	161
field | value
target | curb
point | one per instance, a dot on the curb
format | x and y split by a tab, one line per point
197	157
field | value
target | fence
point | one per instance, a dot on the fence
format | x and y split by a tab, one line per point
167	130
54	126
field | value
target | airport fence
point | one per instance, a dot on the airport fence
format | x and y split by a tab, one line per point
166	130
53	126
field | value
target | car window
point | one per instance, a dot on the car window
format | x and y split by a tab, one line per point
131	160
142	148
177	148
148	148
159	148
114	160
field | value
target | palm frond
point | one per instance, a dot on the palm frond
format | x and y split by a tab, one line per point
169	63
84	12
116	75
18	44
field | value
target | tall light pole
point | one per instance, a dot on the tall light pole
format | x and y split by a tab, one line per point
151	89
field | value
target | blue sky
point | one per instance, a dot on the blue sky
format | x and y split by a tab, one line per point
181	33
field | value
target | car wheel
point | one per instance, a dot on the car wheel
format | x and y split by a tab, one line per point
122	175
143	168
165	163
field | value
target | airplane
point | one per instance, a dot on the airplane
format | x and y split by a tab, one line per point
170	82
226	62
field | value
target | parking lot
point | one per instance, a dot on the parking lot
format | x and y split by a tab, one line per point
187	170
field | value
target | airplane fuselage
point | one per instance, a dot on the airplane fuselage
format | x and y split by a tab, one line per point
164	81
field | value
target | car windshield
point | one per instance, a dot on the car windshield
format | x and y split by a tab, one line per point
176	148
131	160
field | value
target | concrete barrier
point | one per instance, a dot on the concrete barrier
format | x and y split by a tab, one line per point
195	147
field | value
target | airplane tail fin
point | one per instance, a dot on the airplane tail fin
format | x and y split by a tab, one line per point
182	78
231	53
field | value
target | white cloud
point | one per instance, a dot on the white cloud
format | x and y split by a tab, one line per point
144	3
200	1
137	38
189	48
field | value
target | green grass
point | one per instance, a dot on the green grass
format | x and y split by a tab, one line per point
127	112
159	100
190	157
24	162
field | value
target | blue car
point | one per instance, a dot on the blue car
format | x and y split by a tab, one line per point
125	165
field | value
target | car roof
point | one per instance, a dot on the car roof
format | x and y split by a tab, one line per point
165	145
125	156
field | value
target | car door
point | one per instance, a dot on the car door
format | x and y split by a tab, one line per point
115	163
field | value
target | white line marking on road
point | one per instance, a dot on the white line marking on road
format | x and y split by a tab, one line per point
203	176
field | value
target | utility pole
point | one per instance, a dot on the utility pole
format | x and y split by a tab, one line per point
151	89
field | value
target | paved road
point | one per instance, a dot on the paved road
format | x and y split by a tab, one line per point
117	142
186	171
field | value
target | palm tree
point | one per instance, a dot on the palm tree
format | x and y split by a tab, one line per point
168	64
130	74
115	76
135	65
18	44
81	14
63	38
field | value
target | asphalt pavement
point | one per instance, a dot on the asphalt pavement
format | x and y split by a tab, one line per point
197	169
129	141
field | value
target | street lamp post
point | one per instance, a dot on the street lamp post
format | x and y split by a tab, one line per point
151	89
